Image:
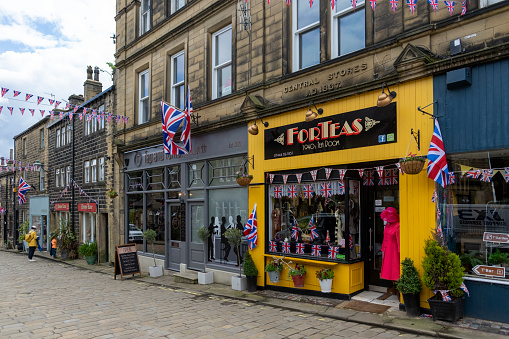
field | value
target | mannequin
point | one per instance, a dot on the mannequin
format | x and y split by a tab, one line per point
240	227
211	239
224	241
390	249
276	221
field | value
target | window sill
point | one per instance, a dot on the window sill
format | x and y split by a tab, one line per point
322	261
487	280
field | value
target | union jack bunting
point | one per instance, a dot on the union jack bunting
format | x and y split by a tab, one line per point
288	2
28	96
67	105
42	112
271	178
61	115
272	246
487	175
380	171
252	229
57	103
369	178
85	109
327	173
310	3
308	191
342	173
286	247
373	4
171	118
450	6
437	164
354	4
292	191
313	174
22	189
10	109
444	294
434	4
465	289
398	165
299	247
332	3
285	178
80	115
463	8
295	230
299	177
341	187
75	108
325	189
333	252
315	250
185	137
411	4
474	174
16	93
278	191
51	101
439	230
439	213
506	175
394	4
39	99
361	172
4	90
22	110
434	198
452	178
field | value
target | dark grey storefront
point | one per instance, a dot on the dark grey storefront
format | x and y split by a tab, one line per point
176	195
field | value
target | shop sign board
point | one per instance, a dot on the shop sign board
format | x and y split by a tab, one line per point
62	206
491	271
126	260
502	238
365	127
87	207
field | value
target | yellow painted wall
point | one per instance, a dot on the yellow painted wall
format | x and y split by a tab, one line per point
416	209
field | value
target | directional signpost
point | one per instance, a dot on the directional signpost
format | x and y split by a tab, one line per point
502	238
491	271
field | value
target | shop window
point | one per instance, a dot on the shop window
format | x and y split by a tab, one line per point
144	16
475	206
177	80
155	179
135	225
196	174
306	34
222	62
135	181
155	220
88	227
143	100
176	5
174	177
197	221
348	28
87	171
224	171
178	228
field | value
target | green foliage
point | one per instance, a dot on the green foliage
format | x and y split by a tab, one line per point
298	270
234	236
442	269
413	157
132	214
150	236
67	238
111	65
23	229
273	266
409	282
324	273
470	260
250	269
203	233
88	249
497	258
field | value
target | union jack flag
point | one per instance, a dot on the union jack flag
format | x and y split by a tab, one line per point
434	4
16	93
354	4
373	4
57	103
28	96
288	2
292	191
333	252
487	175
295	230
272	246
464	8
251	229
174	148
341	187
452	178
437	164
369	178
327	173
506	175
342	173
185	138
299	248
312	228
450	6
75	108
391	176
439	229
299	177
285	178
313	174
22	189
308	190
325	189
465	289
411	5
4	90
61	115
51	101
39	99
439	213
332	3
286	247
278	191
434	198
474	174
42	112
394	4
310	3
350	241
85	109
10	109
398	165
444	294
354	187
315	250
171	117
22	110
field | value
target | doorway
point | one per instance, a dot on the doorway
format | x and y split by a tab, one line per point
196	219
176	225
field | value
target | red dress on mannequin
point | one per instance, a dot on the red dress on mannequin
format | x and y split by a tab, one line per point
390	249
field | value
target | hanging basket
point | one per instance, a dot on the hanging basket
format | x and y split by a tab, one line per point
412	167
244	181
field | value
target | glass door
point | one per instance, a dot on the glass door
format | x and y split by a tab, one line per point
176	224
196	216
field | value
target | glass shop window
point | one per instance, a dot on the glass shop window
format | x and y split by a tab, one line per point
174	177
224	171
135	225
197	174
473	213
135	181
155	220
155	179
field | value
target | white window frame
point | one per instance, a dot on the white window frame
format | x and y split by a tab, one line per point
101	169
217	68
144	17
57	177
87	171
93	170
297	32
58	137
143	116
62	177
100	123
175	5
62	135
69	133
41	180
486	3
89	223
176	85
335	18
42	138
68	175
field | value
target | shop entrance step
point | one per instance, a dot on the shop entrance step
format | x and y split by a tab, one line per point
186	278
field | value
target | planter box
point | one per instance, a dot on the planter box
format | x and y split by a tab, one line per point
91	259
412	304
239	283
298	280
251	283
205	278
155	271
446	310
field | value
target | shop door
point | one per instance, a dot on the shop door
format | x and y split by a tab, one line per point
378	199
196	220
176	224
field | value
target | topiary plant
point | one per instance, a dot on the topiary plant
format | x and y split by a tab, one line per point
409	281
234	236
250	269
442	269
150	236
204	234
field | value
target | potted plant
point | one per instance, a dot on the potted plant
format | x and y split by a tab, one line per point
443	273
204	277
498	258
409	284
274	268
68	247
325	276
470	260
112	193
298	273
412	163
251	272
243	179
234	237
22	231
89	251
150	236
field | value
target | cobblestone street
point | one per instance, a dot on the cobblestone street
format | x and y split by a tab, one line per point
47	299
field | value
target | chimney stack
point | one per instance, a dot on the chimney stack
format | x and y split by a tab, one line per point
89	72
96	73
92	87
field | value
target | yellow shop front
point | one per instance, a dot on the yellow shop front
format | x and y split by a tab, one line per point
321	186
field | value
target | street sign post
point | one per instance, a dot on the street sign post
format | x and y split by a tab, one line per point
491	271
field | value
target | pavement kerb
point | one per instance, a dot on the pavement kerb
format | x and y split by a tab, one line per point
419	326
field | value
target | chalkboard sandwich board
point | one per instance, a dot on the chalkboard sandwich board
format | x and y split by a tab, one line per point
126	260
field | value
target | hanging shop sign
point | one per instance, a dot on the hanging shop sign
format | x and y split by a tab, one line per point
62	206
490	271
365	127
87	207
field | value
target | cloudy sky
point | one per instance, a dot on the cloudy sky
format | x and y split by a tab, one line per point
45	48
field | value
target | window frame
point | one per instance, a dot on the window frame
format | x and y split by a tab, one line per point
335	19
63	136
175	86
62	177
69	133
217	68
101	168
143	116
41	180
296	34
57	177
86	172
42	137
58	138
93	170
174	4
68	175
144	17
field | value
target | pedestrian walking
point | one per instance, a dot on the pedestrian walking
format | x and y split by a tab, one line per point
53	252
31	239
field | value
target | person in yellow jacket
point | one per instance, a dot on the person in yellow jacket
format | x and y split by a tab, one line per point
31	239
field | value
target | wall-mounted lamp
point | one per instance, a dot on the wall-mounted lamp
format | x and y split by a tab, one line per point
126	162
384	99
310	114
253	129
38	166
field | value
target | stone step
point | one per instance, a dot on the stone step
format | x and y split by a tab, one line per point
186	278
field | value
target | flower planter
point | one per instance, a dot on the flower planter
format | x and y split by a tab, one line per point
155	271
64	254
326	285
274	276
412	167
446	310
91	259
298	280
251	283
205	278
412	304
244	181
239	283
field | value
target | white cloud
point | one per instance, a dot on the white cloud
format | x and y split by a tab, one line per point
50	44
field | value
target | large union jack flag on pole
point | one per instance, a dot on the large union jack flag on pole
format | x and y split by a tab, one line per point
251	229
172	117
186	128
437	163
22	189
